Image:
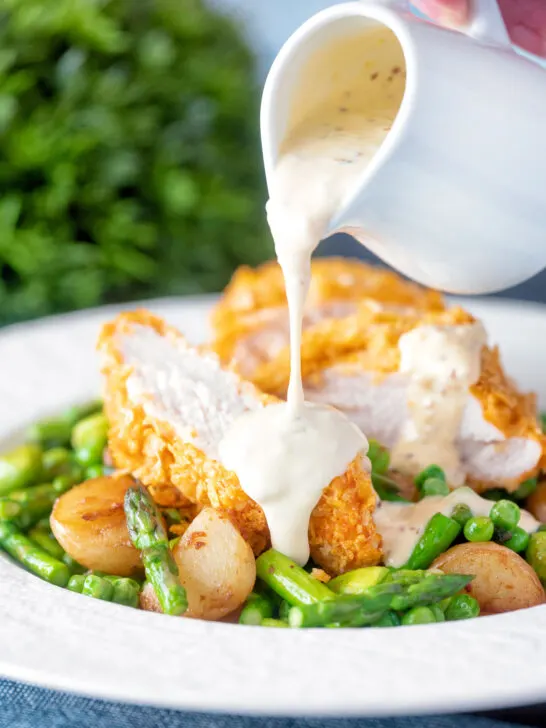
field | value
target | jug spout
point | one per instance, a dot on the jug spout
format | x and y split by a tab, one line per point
453	194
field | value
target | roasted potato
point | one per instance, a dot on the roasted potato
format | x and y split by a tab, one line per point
217	566
89	523
504	581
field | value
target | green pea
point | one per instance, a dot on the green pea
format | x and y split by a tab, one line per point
438	612
479	528
434	486
432	471
525	489
91	432
419	615
88	456
55	462
461	514
519	540
62	483
536	554
505	514
462	606
389	619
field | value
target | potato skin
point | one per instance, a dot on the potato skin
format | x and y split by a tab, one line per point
217	566
504	581
89	523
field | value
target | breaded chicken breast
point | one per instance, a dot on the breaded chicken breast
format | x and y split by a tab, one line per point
169	405
353	364
251	321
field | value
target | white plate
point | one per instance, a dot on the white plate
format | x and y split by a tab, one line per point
62	640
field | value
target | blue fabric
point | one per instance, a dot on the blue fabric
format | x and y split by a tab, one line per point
24	706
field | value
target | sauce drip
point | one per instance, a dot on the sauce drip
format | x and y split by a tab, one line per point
286	454
401	525
443	362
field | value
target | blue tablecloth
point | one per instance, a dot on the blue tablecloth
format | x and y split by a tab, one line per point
23	706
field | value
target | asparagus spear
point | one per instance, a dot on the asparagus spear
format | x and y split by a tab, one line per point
34	503
430	589
20	467
358	580
439	534
347	610
258	606
32	556
50	433
289	580
47	541
89	438
149	535
268	622
79	412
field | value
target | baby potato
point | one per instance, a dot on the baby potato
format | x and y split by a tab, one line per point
503	581
89	523
217	566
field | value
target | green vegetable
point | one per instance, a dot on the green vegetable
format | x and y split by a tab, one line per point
389	619
56	462
148	534
79	411
97	587
31	556
126	591
90	433
289	580
74	567
379	457
430	589
62	483
357	581
536	554
268	622
35	503
525	489
49	433
505	514
438	612
112	168
432	471
434	486
347	610
284	609
20	467
479	529
75	583
88	457
387	489
543	421
462	606
94	471
461	514
47	541
439	534
9	509
519	540
258	606
419	615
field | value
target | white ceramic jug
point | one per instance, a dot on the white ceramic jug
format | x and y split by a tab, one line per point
455	197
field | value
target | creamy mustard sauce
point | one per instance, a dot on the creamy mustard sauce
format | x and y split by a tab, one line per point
401	525
286	454
442	362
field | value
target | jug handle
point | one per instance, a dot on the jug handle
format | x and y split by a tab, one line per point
487	24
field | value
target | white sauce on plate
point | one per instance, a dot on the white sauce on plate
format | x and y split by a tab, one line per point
286	454
402	524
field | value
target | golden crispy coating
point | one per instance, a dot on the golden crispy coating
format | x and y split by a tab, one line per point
252	290
342	533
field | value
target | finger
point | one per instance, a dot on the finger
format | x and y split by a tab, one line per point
526	24
452	13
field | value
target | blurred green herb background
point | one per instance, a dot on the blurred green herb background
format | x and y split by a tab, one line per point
129	153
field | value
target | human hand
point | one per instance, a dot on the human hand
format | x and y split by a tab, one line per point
525	19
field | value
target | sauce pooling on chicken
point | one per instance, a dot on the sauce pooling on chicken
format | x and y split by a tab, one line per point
285	455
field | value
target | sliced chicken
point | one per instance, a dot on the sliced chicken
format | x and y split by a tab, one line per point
251	319
353	364
169	405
